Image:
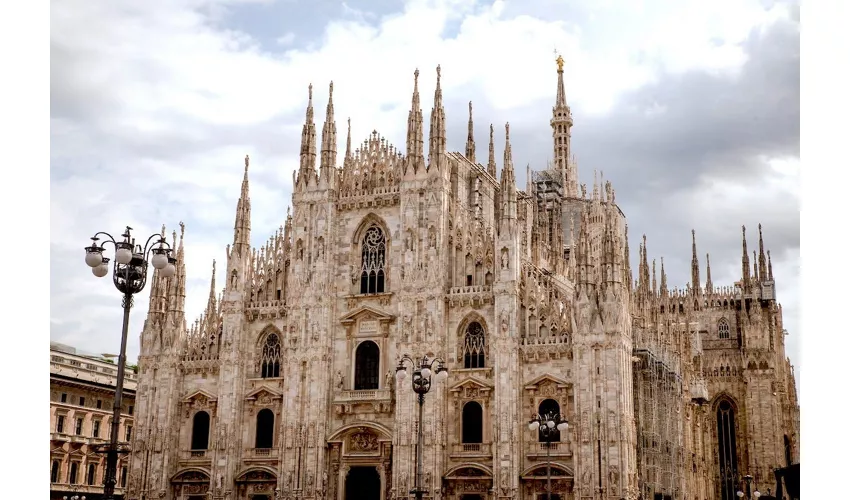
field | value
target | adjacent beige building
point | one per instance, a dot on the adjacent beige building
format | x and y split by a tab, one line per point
285	388
82	390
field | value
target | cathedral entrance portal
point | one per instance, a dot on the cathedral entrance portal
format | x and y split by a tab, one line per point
363	483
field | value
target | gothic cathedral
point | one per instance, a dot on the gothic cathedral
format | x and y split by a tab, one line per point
285	388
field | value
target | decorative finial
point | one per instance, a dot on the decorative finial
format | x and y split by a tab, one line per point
560	63
507	131
310	92
182	230
163	231
247	160
213	271
331	89
438	72
470	110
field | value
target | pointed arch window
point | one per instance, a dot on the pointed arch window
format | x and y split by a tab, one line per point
373	261
270	357
265	429
366	366
723	328
727	451
201	431
472	422
474	346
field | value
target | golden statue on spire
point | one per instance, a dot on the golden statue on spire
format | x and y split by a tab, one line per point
560	62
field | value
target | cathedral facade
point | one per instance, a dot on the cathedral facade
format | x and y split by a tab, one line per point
285	386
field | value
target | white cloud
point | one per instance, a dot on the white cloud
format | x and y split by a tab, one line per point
155	106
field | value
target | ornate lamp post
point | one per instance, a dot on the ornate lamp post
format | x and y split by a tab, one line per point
129	274
547	424
755	495
421	382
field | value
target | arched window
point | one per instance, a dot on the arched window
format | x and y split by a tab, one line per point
54	472
549	406
373	259
366	366
265	429
474	346
72	476
723	328
472	423
201	431
727	451
270	360
90	474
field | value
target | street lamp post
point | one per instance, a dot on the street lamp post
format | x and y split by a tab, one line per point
547	424
755	495
129	274
421	382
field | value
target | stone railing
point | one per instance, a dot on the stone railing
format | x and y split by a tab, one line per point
470	295
262	452
195	454
471	450
556	449
363	396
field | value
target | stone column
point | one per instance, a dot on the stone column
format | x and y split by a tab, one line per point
343	473
382	471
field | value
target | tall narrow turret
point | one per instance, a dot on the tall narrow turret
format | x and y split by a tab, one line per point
327	167
470	138
307	169
242	225
415	135
562	122
437	137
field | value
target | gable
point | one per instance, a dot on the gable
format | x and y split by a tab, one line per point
546	379
200	397
263	394
473	384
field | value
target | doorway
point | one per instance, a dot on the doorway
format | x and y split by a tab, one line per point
363	483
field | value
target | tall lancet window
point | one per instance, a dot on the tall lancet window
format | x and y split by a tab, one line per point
723	328
270	360
727	451
373	260
474	346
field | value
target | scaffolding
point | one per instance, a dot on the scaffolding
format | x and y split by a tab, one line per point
658	392
549	188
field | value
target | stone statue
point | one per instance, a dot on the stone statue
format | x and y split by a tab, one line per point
388	381
504	259
340	380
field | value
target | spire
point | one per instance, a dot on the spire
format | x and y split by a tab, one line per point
709	287
491	161
242	226
745	260
415	140
756	268
762	260
348	143
694	262
437	137
328	160
769	267
508	160
308	143
211	303
470	138
157	301
654	283
562	122
177	288
663	285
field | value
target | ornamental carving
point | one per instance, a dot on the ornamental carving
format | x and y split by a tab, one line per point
363	440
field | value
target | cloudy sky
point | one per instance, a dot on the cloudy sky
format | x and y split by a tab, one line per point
690	108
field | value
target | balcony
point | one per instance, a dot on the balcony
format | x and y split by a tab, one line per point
471	450
558	449
196	455
379	399
253	454
470	295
